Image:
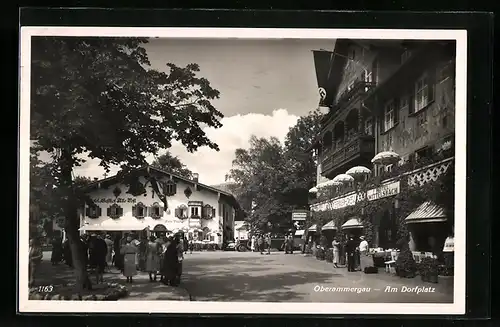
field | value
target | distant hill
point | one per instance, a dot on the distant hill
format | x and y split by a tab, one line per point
227	187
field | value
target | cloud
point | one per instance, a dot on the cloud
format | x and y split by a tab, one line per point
211	165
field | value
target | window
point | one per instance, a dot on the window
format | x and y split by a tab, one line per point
93	211
388	168
208	212
422	119
195	212
115	211
181	212
156	211
169	188
425	152
389	115
422	93
367	78
369	126
139	210
405	56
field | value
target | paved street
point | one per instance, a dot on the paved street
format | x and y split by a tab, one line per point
246	276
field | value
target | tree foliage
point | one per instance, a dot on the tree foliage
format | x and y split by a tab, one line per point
276	177
170	163
98	96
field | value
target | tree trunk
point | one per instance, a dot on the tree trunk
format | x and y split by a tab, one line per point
72	224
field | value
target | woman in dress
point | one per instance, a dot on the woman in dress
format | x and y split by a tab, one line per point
336	252
129	252
153	252
171	264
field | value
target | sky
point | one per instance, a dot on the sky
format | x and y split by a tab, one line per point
265	86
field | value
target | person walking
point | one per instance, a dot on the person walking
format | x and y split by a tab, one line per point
35	258
268	243
129	252
336	252
260	244
252	243
57	251
153	258
97	256
351	252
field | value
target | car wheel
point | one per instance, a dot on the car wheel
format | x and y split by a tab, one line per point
242	248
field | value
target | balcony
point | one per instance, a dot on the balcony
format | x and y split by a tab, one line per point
359	146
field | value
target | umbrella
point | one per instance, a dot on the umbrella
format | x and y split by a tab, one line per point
343	178
358	171
313	190
386	158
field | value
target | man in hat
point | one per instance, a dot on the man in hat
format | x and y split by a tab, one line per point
351	246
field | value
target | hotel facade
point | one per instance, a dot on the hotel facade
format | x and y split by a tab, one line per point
383	96
150	200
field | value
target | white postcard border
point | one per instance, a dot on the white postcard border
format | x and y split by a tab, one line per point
458	305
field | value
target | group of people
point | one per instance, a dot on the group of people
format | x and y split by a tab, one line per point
262	243
356	249
155	255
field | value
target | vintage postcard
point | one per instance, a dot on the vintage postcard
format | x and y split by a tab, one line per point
284	171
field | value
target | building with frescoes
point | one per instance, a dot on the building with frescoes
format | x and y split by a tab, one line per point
386	97
150	200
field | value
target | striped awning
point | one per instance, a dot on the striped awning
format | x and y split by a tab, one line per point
427	212
352	223
329	226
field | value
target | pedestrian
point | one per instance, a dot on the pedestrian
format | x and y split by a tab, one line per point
35	258
185	244
143	248
109	252
153	258
268	243
191	246
57	251
68	259
118	257
171	269
97	256
290	244
260	244
252	243
129	252
363	253
351	252
336	252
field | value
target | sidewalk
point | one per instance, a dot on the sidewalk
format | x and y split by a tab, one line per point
140	290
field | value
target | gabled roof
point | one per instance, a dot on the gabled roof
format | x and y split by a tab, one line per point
148	169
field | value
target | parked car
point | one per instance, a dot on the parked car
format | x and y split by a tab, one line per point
230	246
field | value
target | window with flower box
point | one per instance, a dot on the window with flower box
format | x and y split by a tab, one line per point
208	212
115	211
169	188
139	210
181	211
93	211
195	208
424	92
156	211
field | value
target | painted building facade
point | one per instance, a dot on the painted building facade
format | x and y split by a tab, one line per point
202	212
386	95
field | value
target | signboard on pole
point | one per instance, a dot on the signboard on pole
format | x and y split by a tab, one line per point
300	215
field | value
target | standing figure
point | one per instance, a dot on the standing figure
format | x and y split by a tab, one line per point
191	246
351	252
118	258
260	244
268	243
363	253
336	252
143	248
97	256
57	251
289	245
109	252
171	263
252	243
68	257
153	258
185	243
129	252
35	258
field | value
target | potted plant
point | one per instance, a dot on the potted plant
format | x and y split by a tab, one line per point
405	264
429	270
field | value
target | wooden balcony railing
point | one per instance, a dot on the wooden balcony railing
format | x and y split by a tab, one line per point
355	146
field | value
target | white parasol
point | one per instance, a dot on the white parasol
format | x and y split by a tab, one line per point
313	190
343	178
358	171
386	158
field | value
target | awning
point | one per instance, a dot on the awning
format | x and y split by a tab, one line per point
115	225
329	226
427	212
313	228
352	224
299	232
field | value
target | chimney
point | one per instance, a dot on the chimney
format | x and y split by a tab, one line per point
195	177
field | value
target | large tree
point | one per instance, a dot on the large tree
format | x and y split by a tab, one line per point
168	162
98	96
276	177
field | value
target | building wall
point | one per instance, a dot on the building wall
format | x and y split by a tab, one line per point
427	126
168	219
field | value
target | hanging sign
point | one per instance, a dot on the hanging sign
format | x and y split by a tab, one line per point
299	215
114	200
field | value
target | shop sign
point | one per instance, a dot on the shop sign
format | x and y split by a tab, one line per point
383	191
299	215
114	200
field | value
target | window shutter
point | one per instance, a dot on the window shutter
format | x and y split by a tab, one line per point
213	212
160	209
87	211
134	211
120	211
108	211
99	212
178	212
